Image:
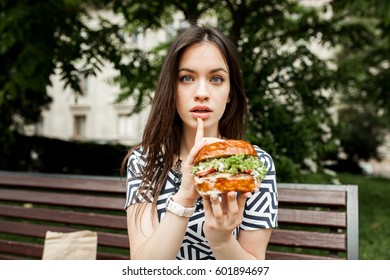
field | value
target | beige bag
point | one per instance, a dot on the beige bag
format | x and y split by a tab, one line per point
79	245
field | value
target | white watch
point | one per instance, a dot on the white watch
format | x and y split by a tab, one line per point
177	209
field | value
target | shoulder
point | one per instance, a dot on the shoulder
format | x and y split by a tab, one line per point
136	152
136	160
265	157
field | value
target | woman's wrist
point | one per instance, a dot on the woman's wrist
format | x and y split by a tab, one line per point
225	248
178	209
229	249
220	242
184	198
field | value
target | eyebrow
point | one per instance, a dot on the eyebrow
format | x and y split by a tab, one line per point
193	71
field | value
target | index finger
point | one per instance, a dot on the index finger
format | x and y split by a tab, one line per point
199	131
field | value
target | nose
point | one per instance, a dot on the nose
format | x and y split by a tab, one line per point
202	90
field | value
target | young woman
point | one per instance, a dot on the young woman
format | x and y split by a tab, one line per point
199	100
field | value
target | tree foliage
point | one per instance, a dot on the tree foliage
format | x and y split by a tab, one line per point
364	77
289	87
41	38
292	89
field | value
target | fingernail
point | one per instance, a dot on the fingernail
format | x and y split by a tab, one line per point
214	196
232	195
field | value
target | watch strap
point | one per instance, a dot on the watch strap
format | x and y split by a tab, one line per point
178	209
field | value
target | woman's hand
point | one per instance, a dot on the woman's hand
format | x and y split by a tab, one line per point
187	194
223	216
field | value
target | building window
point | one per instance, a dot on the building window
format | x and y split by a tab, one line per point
125	126
79	126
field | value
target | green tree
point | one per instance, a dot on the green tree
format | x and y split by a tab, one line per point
364	77
39	38
291	88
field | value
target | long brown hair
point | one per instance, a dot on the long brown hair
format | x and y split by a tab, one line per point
162	132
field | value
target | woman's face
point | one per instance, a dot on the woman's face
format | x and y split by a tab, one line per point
203	87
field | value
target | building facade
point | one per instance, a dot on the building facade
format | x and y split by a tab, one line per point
92	117
95	116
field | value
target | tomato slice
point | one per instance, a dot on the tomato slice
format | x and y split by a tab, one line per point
205	172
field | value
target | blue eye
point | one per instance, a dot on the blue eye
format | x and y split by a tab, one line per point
216	80
186	79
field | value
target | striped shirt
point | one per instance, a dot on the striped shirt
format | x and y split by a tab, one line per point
261	210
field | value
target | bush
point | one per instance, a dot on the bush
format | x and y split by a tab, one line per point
40	154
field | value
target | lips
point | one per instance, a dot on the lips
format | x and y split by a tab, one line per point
201	111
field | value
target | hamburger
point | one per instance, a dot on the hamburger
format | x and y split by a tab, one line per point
230	165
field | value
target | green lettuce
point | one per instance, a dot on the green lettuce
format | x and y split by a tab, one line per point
234	164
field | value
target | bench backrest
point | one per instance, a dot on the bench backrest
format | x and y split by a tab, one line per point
316	221
31	204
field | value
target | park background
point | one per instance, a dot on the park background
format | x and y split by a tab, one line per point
77	77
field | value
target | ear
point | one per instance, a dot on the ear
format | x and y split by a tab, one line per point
228	100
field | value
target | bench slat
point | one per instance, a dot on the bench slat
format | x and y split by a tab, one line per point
81	218
311	217
57	181
5	257
315	240
35	230
274	255
19	249
107	256
316	197
63	199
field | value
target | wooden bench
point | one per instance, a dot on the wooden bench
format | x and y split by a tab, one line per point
316	221
31	204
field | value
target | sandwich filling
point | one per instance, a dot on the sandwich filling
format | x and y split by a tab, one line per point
227	166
